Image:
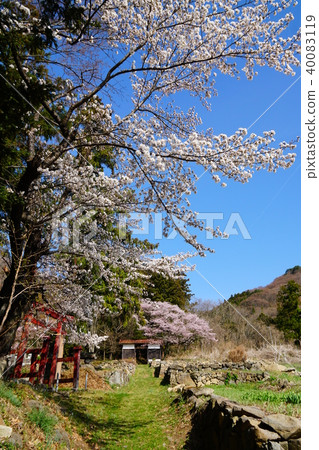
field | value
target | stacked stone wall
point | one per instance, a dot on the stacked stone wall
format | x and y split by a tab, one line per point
221	424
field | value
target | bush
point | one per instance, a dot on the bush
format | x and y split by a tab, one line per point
43	420
237	354
7	393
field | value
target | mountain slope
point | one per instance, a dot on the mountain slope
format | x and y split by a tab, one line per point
265	297
237	321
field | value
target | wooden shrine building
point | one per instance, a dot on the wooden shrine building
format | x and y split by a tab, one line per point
141	350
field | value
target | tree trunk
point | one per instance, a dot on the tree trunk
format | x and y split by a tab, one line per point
20	305
17	312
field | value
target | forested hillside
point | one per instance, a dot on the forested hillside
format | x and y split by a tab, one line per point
250	317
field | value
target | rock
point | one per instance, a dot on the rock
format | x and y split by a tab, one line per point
294	444
198	391
251	411
34	404
207	392
284	445
177	366
3	364
272	366
119	378
62	437
288	427
177	388
215	381
217	399
16	440
5	432
266	435
275	446
244	423
87	366
184	378
199	402
192	400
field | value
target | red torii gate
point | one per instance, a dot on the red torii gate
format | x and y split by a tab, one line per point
40	356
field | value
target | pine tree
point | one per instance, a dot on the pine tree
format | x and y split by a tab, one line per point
288	317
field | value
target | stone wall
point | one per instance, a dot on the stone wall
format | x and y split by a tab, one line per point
117	372
224	425
200	374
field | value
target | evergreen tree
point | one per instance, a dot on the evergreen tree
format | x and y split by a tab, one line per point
288	317
172	290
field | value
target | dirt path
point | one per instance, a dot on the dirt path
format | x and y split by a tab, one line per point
138	416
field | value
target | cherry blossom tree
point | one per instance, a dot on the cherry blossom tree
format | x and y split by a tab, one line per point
90	124
173	325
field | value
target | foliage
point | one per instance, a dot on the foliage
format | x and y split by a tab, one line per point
173	325
274	397
230	377
7	393
72	158
236	299
44	420
231	329
288	317
293	270
265	394
266	319
176	291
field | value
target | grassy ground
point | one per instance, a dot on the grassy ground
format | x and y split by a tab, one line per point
141	415
138	416
36	420
279	394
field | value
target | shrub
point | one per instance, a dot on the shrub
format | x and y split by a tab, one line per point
43	420
7	393
237	354
230	377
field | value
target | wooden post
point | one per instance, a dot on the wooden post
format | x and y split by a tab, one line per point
76	370
60	355
57	382
44	358
22	349
33	367
55	355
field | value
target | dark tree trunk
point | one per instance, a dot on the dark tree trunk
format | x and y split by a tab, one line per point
19	290
17	311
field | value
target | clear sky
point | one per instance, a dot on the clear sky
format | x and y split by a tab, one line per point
269	205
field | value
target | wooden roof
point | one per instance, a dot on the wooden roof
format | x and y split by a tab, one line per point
140	341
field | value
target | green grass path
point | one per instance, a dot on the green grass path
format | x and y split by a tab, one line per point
137	416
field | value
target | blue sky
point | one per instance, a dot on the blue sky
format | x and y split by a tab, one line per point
269	204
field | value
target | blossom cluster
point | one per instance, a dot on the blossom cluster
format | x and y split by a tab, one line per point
118	143
173	325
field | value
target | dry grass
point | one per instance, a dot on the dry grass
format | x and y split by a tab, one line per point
237	354
287	354
283	353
